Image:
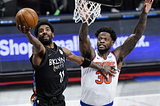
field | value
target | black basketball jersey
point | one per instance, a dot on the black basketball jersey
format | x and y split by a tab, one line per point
51	76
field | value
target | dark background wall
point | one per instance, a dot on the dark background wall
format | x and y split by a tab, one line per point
121	26
22	69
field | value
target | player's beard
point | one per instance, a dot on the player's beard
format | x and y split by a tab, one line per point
103	51
46	42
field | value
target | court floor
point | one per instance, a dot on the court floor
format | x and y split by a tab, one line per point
129	93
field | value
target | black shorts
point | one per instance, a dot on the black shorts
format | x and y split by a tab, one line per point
55	101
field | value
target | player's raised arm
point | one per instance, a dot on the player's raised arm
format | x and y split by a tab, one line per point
28	34
87	63
85	48
27	19
37	45
131	41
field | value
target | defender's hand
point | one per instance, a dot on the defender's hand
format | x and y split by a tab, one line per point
147	6
85	12
108	70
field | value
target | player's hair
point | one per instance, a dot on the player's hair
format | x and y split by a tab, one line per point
42	23
107	29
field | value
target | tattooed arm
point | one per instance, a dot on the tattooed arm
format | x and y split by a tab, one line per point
79	60
130	43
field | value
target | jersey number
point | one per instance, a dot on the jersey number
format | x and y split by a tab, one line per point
102	79
61	74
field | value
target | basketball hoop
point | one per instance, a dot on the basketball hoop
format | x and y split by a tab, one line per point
86	11
109	3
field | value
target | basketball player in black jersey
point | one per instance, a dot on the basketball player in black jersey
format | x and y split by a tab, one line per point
48	61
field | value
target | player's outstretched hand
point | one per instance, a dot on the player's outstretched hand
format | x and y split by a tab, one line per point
85	12
147	6
109	70
23	30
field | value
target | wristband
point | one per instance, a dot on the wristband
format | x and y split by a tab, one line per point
86	63
102	68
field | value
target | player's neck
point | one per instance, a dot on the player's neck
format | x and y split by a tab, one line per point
104	54
50	45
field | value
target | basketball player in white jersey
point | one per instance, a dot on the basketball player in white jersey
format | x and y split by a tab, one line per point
96	89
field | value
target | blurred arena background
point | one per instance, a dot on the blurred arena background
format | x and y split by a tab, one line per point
139	81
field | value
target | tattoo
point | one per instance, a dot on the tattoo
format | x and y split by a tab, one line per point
139	28
129	44
131	41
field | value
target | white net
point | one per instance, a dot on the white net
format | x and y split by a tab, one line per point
86	11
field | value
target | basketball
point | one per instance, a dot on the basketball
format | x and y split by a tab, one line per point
26	17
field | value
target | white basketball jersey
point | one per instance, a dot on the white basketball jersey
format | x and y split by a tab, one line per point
96	90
